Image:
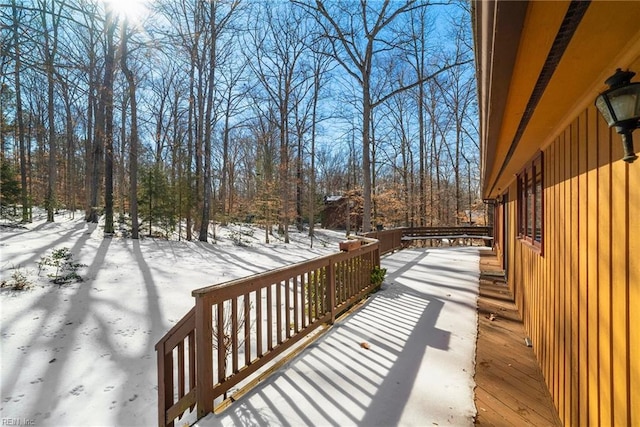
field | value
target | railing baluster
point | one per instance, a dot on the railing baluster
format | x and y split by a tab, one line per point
338	275
352	277
347	279
180	369
331	289
222	356
234	335
259	324
247	329
306	308
269	317
192	364
287	308
279	313
296	306
316	295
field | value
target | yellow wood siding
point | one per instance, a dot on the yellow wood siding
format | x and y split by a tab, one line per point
580	297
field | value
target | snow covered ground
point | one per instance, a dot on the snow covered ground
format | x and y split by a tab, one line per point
82	354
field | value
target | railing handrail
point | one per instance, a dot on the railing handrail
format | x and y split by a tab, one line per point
281	271
173	332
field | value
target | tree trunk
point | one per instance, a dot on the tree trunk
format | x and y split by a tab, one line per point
50	47
90	180
366	155
299	184
70	158
133	146
225	184
312	172
206	186
107	101
24	195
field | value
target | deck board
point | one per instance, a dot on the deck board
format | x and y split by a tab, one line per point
510	389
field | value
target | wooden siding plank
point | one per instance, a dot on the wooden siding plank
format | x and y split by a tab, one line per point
582	277
573	284
619	291
633	284
604	271
549	230
592	268
513	195
556	279
564	392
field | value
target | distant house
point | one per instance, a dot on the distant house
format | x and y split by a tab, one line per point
567	217
336	209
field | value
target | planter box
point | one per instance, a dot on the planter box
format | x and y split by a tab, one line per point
350	245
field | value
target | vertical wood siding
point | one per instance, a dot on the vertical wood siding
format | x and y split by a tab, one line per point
580	297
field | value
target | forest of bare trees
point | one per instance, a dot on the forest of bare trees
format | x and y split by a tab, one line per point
169	116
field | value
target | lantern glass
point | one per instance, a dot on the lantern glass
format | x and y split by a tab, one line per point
620	104
603	106
625	103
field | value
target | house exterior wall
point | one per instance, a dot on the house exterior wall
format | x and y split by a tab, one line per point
579	295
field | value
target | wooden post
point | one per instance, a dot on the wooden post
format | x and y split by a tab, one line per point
204	355
165	384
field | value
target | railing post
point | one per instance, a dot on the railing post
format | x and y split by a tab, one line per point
204	356
165	385
331	288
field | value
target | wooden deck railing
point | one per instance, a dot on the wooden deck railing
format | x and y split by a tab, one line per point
449	232
237	328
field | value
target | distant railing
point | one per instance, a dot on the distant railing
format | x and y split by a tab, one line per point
237	328
390	240
450	233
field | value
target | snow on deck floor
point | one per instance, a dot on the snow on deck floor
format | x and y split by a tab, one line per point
418	371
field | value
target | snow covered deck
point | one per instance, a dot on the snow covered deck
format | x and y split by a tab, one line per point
420	330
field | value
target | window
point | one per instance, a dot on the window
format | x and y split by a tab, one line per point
530	202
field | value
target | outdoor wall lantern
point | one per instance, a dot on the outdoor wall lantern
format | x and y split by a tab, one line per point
620	107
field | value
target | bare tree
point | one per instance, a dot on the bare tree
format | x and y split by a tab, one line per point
218	21
232	98
321	64
106	128
19	112
280	48
50	16
133	147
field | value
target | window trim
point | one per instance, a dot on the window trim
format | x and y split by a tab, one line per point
530	207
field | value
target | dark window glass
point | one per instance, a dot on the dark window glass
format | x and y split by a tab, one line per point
530	202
